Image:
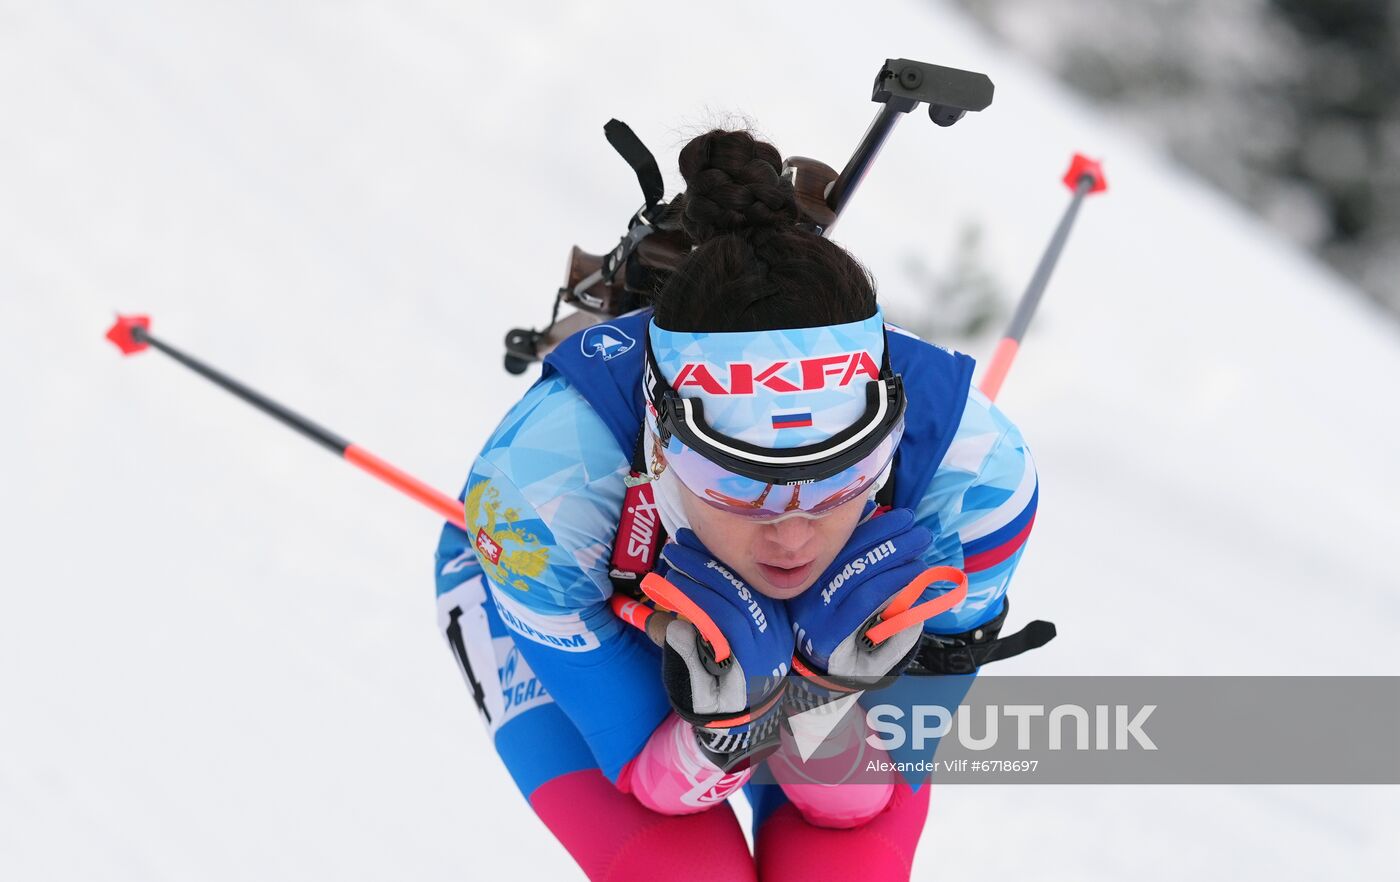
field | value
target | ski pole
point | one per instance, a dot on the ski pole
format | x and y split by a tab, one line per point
131	334
1085	176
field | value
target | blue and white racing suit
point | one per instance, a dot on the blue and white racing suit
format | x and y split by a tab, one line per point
562	684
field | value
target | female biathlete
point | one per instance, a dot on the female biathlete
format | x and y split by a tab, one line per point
768	403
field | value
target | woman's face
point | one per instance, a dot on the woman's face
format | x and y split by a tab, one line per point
782	559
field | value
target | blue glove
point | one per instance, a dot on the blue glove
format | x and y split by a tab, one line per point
727	656
858	622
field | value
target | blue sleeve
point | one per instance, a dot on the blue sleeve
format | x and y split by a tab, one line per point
980	506
541	507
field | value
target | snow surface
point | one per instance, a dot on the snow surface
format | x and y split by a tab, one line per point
218	656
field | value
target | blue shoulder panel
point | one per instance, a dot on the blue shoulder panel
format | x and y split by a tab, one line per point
604	363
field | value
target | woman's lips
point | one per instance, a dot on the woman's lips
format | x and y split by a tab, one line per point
786	577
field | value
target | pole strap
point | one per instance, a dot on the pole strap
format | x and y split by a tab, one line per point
966	652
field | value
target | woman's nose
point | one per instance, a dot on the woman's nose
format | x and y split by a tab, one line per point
792	533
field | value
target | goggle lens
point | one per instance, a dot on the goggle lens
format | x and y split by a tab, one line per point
751	498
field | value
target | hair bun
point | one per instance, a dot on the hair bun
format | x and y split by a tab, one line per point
733	185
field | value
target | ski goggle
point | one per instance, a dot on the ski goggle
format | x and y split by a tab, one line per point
769	500
765	483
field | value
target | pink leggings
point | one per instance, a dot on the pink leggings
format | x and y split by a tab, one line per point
614	838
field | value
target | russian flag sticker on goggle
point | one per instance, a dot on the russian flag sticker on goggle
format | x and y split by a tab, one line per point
776	388
798	420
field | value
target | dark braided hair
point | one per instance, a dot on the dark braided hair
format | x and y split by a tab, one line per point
753	268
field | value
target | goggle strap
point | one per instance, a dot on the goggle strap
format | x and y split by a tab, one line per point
878	410
684	417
